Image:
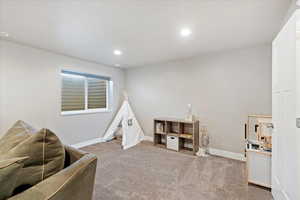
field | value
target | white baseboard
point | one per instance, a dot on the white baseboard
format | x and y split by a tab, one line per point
212	151
148	138
87	143
227	154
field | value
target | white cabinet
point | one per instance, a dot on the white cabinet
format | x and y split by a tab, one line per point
259	167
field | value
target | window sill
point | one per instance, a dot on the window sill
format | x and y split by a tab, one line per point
83	112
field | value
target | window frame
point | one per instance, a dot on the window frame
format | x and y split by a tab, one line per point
85	76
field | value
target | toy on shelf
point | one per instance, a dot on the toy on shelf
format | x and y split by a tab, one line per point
259	132
189	115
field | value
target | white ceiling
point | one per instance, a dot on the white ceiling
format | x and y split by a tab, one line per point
147	31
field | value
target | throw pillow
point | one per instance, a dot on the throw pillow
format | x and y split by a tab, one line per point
9	172
46	157
45	151
16	134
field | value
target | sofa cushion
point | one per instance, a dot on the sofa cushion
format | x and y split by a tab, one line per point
44	149
9	172
16	134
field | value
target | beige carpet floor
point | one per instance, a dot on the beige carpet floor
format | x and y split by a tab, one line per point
145	172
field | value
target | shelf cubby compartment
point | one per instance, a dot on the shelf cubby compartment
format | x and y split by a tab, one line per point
172	128
160	127
188	128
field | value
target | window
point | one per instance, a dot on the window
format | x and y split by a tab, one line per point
84	93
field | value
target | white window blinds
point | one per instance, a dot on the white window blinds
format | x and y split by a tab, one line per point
73	93
83	92
97	93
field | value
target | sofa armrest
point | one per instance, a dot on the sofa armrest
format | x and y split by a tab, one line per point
75	182
72	155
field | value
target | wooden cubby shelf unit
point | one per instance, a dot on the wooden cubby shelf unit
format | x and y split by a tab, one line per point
186	131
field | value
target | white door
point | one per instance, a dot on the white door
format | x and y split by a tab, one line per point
286	144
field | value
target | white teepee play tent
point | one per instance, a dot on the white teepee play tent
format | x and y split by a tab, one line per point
132	133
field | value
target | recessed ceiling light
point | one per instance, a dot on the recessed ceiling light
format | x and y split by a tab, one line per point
117	65
118	52
185	32
4	34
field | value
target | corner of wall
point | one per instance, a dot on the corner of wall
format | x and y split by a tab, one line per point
1	84
291	10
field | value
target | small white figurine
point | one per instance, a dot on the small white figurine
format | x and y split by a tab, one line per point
189	115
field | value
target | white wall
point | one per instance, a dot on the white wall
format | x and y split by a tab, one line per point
31	86
224	88
291	10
